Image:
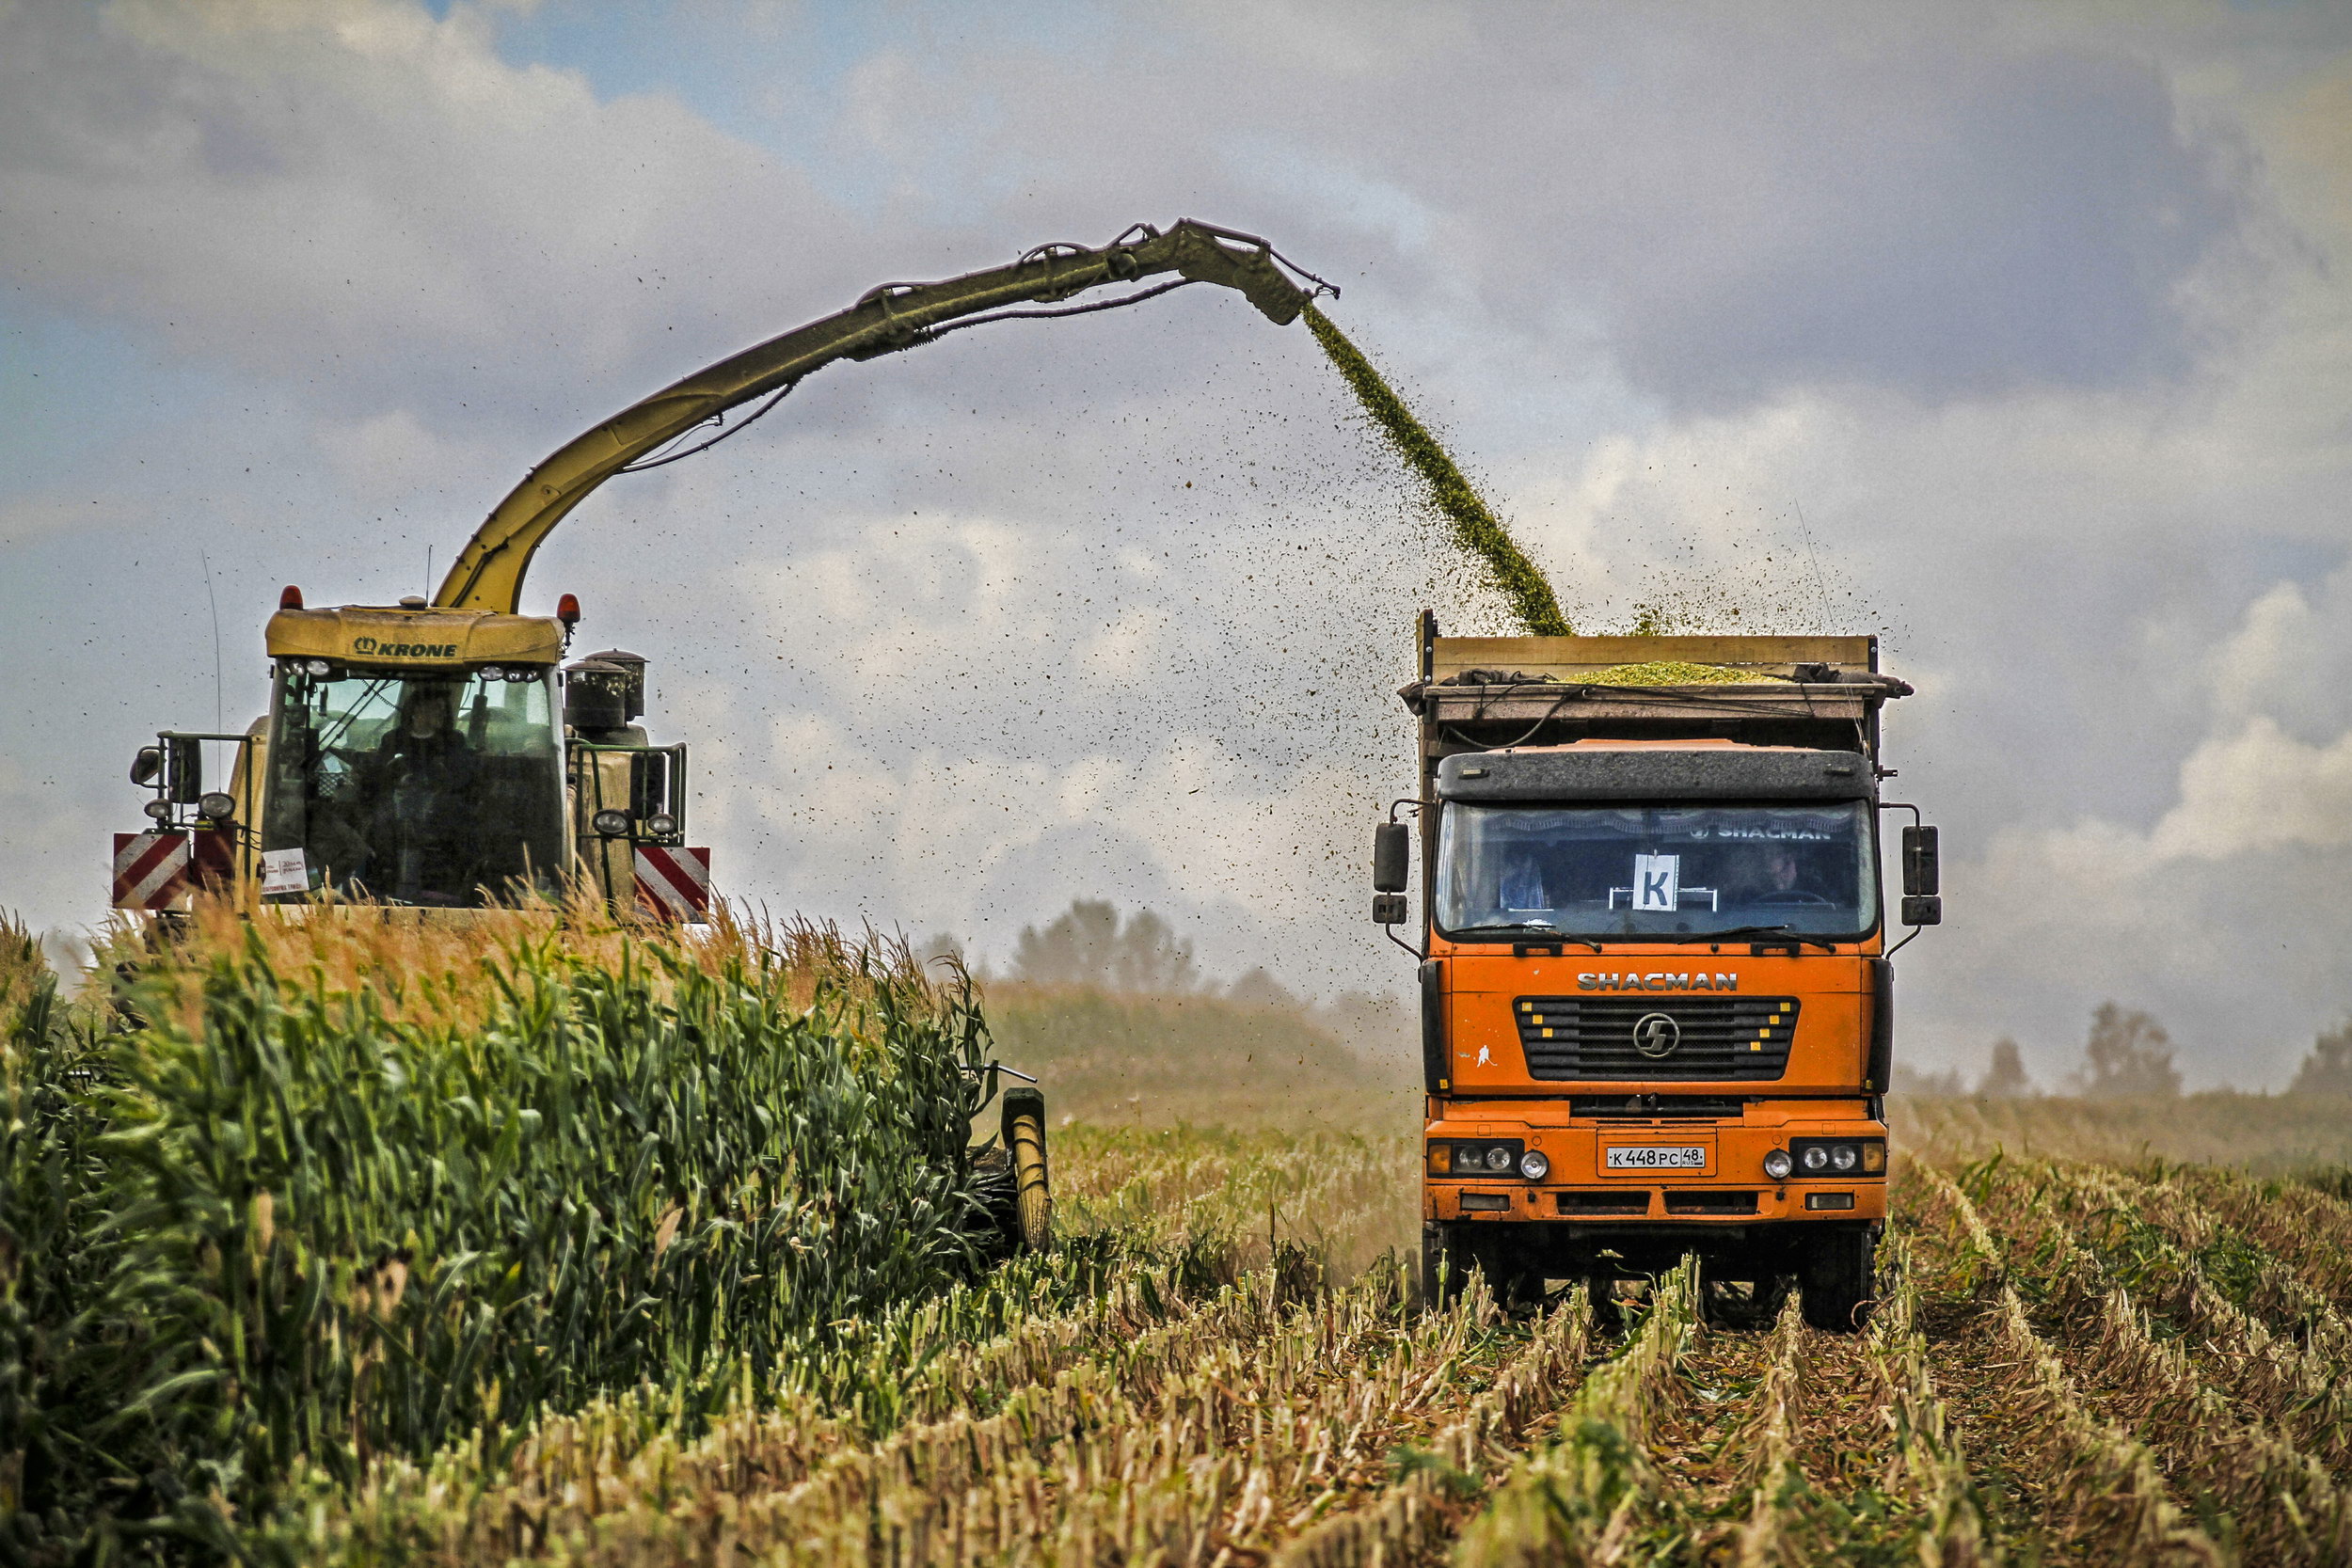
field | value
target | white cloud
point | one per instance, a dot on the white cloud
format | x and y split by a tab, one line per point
2258	789
352	194
1996	295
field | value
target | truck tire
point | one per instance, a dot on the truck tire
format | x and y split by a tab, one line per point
1512	1279
1445	1266
1033	1191
1835	1276
1444	1250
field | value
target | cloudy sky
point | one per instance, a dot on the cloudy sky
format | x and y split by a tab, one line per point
2018	334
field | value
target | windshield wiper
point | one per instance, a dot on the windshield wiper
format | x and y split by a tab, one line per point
1782	932
1521	933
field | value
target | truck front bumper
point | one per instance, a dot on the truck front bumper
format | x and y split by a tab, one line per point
1723	1183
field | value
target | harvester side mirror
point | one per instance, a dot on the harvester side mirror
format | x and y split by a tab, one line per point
184	769
147	765
1922	871
1391	856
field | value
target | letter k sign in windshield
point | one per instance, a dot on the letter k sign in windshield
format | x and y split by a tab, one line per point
1658	882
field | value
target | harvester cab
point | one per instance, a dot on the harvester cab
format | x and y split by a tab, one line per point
426	758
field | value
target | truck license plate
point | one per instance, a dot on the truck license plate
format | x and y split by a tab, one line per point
1656	1157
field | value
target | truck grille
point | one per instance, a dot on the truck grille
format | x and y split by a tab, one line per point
1570	1038
1657	1107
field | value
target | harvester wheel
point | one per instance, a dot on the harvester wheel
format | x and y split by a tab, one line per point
1033	1191
1836	1278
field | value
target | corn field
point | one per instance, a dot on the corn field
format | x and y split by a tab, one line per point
726	1301
293	1201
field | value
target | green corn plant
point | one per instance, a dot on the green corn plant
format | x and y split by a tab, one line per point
320	1223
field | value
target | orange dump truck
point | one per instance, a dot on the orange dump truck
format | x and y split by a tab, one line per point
1657	1000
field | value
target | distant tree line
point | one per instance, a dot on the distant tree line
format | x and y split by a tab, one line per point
1092	945
2128	1055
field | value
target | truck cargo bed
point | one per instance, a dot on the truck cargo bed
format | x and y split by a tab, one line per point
1477	693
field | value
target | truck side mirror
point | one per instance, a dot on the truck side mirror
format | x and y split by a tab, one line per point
1391	857
183	768
147	765
1924	909
1922	876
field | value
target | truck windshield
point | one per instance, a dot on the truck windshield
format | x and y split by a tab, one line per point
1656	871
436	789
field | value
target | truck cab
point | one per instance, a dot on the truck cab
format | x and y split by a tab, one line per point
1657	1000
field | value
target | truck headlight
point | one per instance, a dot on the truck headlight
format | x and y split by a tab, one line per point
1474	1157
610	823
1839	1156
1533	1165
1777	1165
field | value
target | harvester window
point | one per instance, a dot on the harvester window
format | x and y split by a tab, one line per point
1635	871
437	789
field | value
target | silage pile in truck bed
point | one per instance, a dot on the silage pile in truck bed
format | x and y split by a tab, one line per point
1664	672
1673	671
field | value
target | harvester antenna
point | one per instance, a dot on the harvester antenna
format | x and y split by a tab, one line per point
220	708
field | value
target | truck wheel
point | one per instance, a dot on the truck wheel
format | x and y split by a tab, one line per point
1033	1192
1834	1274
1445	1266
1602	1285
1514	1283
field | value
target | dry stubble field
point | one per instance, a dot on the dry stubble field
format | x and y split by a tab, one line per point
2072	1363
1220	1363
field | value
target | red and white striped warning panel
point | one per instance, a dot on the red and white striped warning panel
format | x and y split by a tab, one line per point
674	884
216	859
150	870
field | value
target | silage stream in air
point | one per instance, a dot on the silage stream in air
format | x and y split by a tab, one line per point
1476	529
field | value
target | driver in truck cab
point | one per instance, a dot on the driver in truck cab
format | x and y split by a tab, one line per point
1780	876
1520	888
